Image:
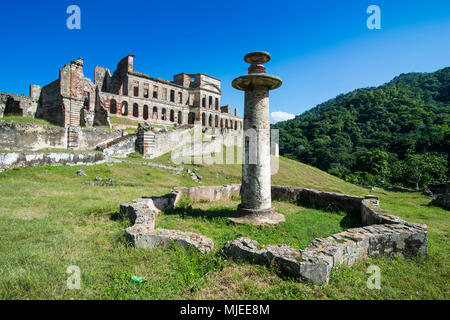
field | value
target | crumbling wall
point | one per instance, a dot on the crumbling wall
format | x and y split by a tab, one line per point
3	100
90	138
102	78
168	141
101	115
17	105
35	136
50	103
119	147
27	136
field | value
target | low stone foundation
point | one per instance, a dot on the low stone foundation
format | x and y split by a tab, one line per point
142	212
382	234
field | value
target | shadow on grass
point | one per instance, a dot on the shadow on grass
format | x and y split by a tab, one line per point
210	214
350	221
116	216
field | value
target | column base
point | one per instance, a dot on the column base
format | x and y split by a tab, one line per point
256	217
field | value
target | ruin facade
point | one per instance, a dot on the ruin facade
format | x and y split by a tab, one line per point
73	100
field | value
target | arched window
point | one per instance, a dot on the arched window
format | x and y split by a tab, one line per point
203	119
180	117
235	125
164	114
221	123
172	116
145	112
226	123
155	113
210	120
113	106
135	110
124	108
217	121
191	118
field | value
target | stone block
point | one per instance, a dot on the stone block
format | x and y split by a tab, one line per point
145	236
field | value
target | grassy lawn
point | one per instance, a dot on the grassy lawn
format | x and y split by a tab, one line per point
50	220
20	119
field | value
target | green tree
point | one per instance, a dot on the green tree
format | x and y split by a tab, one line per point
419	170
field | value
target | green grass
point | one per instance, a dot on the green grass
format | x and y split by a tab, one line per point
301	227
20	119
50	220
123	121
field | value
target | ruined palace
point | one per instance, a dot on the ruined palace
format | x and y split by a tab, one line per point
73	100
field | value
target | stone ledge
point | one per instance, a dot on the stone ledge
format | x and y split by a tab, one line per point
290	261
144	236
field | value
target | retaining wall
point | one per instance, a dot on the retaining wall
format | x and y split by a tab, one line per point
34	136
10	160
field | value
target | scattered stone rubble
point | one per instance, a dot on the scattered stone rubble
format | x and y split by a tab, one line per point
381	235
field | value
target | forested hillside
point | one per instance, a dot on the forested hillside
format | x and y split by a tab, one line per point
395	134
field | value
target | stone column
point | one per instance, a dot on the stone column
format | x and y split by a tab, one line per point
256	204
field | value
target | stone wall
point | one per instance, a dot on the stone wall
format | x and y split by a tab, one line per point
90	138
318	199
382	234
17	104
119	147
33	136
211	144
25	136
10	160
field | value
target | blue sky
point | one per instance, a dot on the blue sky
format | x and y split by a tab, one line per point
319	48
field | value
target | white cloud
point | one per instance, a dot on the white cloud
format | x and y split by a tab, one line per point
278	116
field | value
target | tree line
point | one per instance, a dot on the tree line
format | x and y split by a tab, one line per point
394	134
